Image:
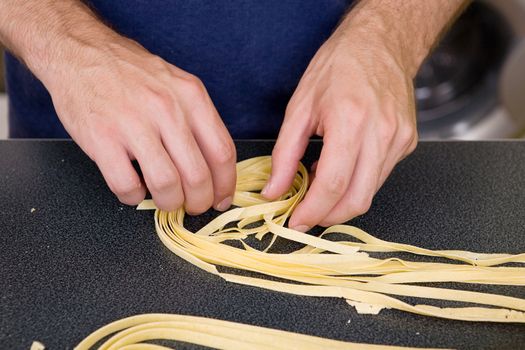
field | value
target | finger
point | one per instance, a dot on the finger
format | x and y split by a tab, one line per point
194	172
362	188
288	150
218	150
113	161
333	174
160	174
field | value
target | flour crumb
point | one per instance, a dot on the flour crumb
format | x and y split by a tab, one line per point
37	346
33	210
364	308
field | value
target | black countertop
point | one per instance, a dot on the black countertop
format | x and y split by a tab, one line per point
72	258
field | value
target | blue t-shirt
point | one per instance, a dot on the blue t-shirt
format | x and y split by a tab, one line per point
250	55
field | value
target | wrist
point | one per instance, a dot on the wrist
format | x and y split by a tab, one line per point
376	35
406	30
54	37
58	57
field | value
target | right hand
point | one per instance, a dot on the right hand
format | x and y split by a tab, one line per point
119	103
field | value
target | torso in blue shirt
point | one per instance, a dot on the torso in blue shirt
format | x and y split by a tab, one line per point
250	55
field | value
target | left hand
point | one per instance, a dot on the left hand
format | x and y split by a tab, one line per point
358	96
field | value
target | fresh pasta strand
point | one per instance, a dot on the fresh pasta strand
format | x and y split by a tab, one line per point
131	333
341	269
322	268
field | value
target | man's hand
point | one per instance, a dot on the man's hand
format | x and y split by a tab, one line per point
125	103
360	101
120	103
357	94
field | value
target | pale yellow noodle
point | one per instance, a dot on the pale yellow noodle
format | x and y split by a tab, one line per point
131	332
344	268
322	268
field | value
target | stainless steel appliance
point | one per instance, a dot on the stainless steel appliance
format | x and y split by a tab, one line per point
473	85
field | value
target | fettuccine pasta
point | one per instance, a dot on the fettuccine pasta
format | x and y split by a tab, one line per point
321	268
342	269
131	333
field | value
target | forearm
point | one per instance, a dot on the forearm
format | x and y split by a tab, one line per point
45	34
408	28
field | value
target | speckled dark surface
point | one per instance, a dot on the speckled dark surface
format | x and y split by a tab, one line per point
81	259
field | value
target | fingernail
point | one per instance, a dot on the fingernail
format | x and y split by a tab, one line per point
302	228
266	188
224	204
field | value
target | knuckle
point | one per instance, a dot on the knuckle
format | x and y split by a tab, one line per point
407	133
198	178
412	146
164	181
163	68
225	153
157	61
336	185
360	206
194	87
123	188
